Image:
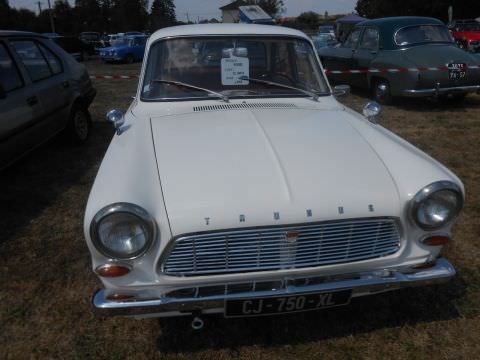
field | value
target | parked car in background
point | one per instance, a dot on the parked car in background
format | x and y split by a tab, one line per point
324	40
79	49
326	29
424	59
92	38
43	92
241	186
127	49
467	35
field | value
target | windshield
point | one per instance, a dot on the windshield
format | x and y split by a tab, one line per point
422	34
227	65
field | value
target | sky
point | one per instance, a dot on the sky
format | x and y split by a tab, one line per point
207	9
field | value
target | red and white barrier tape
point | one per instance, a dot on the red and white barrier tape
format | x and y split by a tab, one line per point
327	71
113	77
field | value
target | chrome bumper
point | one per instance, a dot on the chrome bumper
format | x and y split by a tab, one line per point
440	91
364	283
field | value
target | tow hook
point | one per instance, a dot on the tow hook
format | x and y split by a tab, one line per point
197	323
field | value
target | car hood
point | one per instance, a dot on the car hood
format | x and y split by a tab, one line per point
437	55
244	168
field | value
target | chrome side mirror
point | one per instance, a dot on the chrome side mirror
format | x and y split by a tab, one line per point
117	119
371	111
341	90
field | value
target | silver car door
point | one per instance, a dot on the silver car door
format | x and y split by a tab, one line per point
48	80
19	108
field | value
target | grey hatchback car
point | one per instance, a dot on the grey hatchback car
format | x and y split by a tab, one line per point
43	91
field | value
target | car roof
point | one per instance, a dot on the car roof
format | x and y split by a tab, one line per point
224	29
389	25
11	33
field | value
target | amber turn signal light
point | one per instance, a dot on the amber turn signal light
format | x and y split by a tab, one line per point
110	270
436	240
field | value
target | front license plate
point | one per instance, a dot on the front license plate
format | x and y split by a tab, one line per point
457	71
286	304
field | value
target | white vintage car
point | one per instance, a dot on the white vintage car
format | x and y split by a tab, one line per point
237	184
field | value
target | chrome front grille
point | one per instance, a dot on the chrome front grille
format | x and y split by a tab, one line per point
281	247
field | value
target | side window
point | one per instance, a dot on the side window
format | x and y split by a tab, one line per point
32	58
352	39
52	59
370	40
9	76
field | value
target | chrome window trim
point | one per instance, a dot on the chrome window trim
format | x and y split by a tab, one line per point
123	207
426	192
423	42
309	41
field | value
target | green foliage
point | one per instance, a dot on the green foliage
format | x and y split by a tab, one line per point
462	9
308	20
162	14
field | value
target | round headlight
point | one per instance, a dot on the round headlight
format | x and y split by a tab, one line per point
436	205
122	231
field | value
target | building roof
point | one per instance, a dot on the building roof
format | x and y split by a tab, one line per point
224	29
234	5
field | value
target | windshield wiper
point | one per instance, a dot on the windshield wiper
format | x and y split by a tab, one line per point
314	95
182	84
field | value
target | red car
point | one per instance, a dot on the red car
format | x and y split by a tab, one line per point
467	35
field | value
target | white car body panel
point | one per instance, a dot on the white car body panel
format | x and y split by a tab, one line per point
196	171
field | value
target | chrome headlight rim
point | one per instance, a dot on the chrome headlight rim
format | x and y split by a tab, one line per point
131	209
427	192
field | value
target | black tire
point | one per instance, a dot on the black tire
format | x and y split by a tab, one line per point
129	59
79	125
381	92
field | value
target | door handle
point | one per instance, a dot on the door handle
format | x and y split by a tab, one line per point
32	100
66	84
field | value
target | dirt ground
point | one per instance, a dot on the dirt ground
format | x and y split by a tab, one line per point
46	280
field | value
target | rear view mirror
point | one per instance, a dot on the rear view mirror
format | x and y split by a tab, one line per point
341	90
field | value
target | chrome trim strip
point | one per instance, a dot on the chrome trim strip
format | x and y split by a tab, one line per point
133	209
364	283
372	238
426	192
437	91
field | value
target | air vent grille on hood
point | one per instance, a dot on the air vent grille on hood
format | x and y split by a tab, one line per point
245	106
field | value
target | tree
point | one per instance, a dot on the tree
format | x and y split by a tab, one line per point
308	20
162	14
5	15
88	15
65	22
128	15
433	8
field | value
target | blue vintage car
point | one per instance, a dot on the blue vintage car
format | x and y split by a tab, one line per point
129	49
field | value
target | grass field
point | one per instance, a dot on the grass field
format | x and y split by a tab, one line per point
46	281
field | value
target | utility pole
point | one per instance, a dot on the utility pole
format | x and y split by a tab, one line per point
39	7
52	25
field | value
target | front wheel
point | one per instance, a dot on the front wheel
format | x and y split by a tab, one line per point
381	92
79	125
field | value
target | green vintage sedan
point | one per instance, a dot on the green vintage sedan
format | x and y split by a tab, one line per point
403	56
